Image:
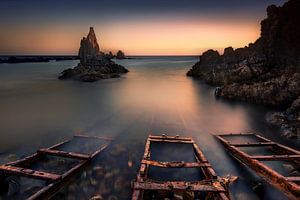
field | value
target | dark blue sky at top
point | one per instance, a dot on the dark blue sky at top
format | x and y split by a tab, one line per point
61	11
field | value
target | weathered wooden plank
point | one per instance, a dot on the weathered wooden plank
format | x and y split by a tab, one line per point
291	189
64	154
176	164
180	185
277	157
11	170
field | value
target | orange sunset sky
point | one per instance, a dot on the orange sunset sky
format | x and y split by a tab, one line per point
153	33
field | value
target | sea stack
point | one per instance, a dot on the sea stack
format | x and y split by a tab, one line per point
120	55
94	64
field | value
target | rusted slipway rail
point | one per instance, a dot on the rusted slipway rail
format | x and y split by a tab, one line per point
54	182
211	184
288	184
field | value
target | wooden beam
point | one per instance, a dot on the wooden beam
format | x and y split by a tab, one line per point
180	185
11	170
277	157
64	154
176	164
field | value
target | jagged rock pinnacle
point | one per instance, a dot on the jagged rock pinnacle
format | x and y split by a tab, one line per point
89	47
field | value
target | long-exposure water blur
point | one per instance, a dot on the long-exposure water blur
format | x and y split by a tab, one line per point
37	110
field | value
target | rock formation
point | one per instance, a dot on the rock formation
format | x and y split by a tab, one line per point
120	55
265	72
94	64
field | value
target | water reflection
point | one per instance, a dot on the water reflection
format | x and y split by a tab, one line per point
37	110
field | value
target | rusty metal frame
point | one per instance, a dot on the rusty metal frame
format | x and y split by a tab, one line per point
288	185
210	184
55	181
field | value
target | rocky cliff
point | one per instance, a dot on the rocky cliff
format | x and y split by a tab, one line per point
266	71
94	64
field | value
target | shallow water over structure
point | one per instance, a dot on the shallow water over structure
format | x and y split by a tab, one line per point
38	110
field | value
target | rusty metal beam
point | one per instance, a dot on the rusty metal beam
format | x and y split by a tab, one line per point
94	137
176	164
276	157
64	154
51	189
236	134
209	172
11	170
180	185
291	189
24	161
56	181
252	144
209	184
293	178
59	144
171	141
169	137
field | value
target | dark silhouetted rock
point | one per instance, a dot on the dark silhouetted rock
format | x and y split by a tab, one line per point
265	72
120	55
94	64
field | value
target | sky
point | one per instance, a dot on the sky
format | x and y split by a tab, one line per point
138	27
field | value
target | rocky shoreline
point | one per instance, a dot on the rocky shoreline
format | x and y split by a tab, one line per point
265	72
94	65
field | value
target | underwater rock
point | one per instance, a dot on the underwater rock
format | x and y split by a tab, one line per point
97	197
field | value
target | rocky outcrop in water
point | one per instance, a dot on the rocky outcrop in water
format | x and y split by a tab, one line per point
120	55
94	64
265	72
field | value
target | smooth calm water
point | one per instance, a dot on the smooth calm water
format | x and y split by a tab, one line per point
38	110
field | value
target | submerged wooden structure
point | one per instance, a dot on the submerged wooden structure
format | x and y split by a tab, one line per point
290	185
210	185
53	181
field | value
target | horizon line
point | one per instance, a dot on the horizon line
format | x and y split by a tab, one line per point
40	55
